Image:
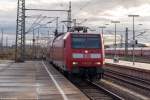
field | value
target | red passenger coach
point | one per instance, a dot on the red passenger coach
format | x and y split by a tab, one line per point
78	53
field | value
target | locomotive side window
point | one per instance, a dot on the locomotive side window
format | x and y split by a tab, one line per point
86	41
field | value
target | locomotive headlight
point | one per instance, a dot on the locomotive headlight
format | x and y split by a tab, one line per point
74	63
86	51
98	63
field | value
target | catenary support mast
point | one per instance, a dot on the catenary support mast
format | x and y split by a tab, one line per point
20	32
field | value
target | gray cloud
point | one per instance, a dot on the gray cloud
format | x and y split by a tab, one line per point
96	11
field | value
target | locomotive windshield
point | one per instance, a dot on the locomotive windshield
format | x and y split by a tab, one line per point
90	41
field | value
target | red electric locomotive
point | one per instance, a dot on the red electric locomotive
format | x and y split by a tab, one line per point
78	53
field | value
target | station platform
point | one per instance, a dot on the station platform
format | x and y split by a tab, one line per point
139	70
138	65
35	80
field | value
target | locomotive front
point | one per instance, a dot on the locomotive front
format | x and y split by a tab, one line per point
86	54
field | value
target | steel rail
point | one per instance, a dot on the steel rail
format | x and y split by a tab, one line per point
95	92
135	82
108	92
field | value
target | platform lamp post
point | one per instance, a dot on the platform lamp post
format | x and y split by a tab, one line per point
49	23
2	30
133	55
102	27
115	45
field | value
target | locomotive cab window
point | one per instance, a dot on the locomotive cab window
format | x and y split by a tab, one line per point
89	41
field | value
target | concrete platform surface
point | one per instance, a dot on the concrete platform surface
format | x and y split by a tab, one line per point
35	80
144	66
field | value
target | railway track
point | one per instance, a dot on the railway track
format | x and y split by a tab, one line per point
95	92
134	83
92	90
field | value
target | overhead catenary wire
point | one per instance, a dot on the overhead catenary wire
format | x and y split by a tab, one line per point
38	17
34	28
141	33
36	24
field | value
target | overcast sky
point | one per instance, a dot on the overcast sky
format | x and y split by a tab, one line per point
97	12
